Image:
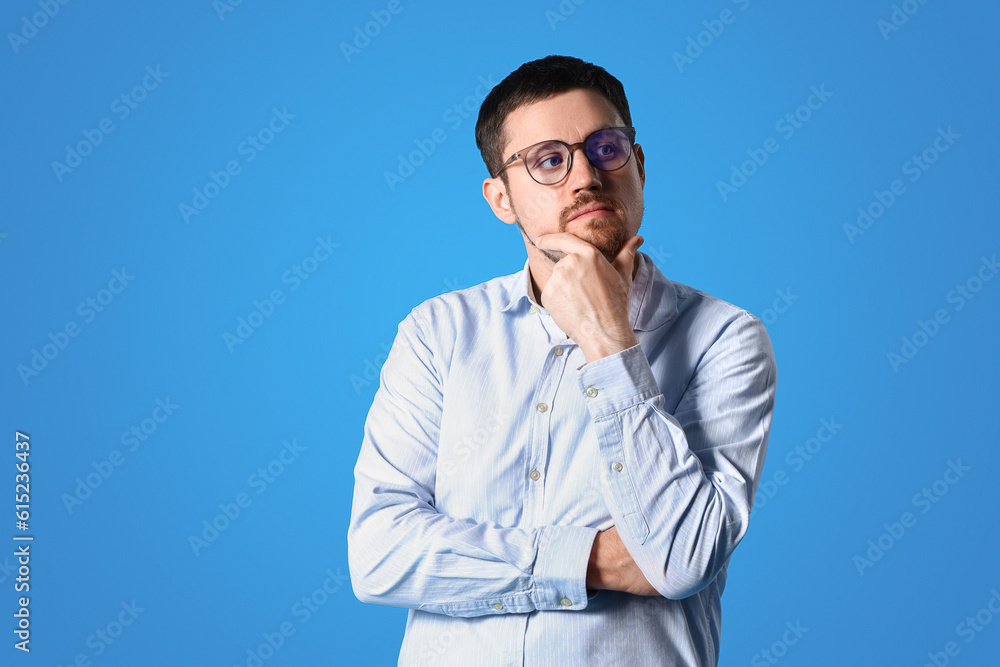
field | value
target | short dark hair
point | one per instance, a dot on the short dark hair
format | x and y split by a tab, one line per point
537	80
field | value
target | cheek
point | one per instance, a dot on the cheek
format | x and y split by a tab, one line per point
633	201
541	208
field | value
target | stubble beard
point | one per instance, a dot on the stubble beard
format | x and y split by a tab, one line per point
608	234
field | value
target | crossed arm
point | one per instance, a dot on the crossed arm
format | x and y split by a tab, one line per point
680	497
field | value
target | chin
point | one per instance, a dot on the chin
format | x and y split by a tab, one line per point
609	240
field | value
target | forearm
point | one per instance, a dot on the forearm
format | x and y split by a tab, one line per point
680	495
403	552
666	562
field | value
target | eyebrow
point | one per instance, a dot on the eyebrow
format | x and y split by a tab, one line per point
603	127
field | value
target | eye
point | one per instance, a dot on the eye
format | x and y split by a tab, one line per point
606	150
605	155
549	161
548	157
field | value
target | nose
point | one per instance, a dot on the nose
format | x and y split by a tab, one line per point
582	174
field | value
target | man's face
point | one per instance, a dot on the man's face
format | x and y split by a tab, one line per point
541	209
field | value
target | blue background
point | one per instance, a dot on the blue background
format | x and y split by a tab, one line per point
776	243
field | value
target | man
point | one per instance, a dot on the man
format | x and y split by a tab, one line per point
559	463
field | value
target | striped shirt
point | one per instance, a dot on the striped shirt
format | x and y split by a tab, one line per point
493	453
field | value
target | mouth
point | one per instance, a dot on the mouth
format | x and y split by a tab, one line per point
590	211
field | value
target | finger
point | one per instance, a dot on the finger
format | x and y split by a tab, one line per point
564	241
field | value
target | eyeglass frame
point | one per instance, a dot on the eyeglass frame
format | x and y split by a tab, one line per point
629	131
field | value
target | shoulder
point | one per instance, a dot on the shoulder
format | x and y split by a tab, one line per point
446	317
716	321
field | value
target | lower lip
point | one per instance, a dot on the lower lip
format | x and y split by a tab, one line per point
599	213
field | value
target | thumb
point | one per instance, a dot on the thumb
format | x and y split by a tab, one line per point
626	257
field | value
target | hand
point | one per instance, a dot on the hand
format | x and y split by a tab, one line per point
611	567
588	297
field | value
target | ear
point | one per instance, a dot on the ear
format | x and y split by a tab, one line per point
496	196
640	163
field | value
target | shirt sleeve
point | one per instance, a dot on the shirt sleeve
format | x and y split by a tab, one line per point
403	552
681	486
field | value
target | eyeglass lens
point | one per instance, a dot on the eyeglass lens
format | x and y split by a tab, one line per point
607	150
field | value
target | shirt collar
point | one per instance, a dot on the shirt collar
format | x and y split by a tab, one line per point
652	303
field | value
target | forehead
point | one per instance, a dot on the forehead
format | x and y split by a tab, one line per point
569	116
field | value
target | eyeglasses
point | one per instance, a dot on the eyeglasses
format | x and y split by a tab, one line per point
548	162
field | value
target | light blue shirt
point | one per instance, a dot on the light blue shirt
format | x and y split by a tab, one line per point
493	453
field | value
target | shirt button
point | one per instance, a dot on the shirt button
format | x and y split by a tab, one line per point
535	475
617	467
542	407
566	602
592	392
498	606
558	350
534	309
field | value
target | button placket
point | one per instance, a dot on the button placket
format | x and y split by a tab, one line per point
541	416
